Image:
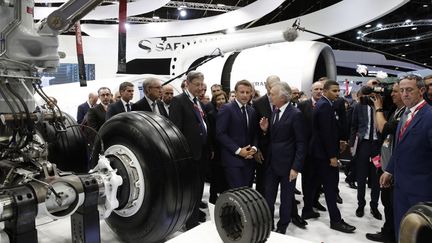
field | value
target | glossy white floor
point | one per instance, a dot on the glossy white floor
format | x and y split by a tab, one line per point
318	230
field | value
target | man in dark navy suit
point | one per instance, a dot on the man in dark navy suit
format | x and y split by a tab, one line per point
126	90
410	164
325	149
286	152
186	112
363	127
264	108
236	127
310	179
152	88
84	107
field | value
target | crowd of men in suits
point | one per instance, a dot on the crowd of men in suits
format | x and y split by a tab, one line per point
271	139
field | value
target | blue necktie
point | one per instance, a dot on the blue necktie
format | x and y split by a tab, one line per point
276	116
128	107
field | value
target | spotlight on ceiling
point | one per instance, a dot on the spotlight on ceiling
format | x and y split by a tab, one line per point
425	5
407	21
379	25
368	25
156	17
407	44
359	32
413	28
183	13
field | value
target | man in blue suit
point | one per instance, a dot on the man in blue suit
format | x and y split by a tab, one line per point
84	107
286	152
236	127
324	148
410	165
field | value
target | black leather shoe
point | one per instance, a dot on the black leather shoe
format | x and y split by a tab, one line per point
339	199
299	222
310	215
380	237
319	206
342	226
203	205
281	230
375	237
201	216
376	213
360	212
296	191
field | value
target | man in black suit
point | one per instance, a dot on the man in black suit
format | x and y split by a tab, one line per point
84	107
286	152
167	96
310	180
152	88
126	90
325	149
96	115
363	128
186	112
263	108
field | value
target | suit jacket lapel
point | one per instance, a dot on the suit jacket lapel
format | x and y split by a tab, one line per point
414	122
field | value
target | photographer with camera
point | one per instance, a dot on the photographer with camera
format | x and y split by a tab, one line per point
387	126
364	141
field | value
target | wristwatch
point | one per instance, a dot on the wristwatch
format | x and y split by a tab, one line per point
379	110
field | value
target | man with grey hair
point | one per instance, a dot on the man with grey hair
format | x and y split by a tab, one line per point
84	107
263	107
287	148
186	112
152	88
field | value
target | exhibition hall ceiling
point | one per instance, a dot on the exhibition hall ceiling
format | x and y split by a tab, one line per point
405	32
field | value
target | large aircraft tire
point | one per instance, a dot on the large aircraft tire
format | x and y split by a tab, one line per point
67	146
159	192
242	216
416	225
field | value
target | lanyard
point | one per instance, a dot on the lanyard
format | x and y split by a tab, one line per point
403	129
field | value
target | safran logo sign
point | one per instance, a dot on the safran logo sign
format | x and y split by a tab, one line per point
146	45
162	46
